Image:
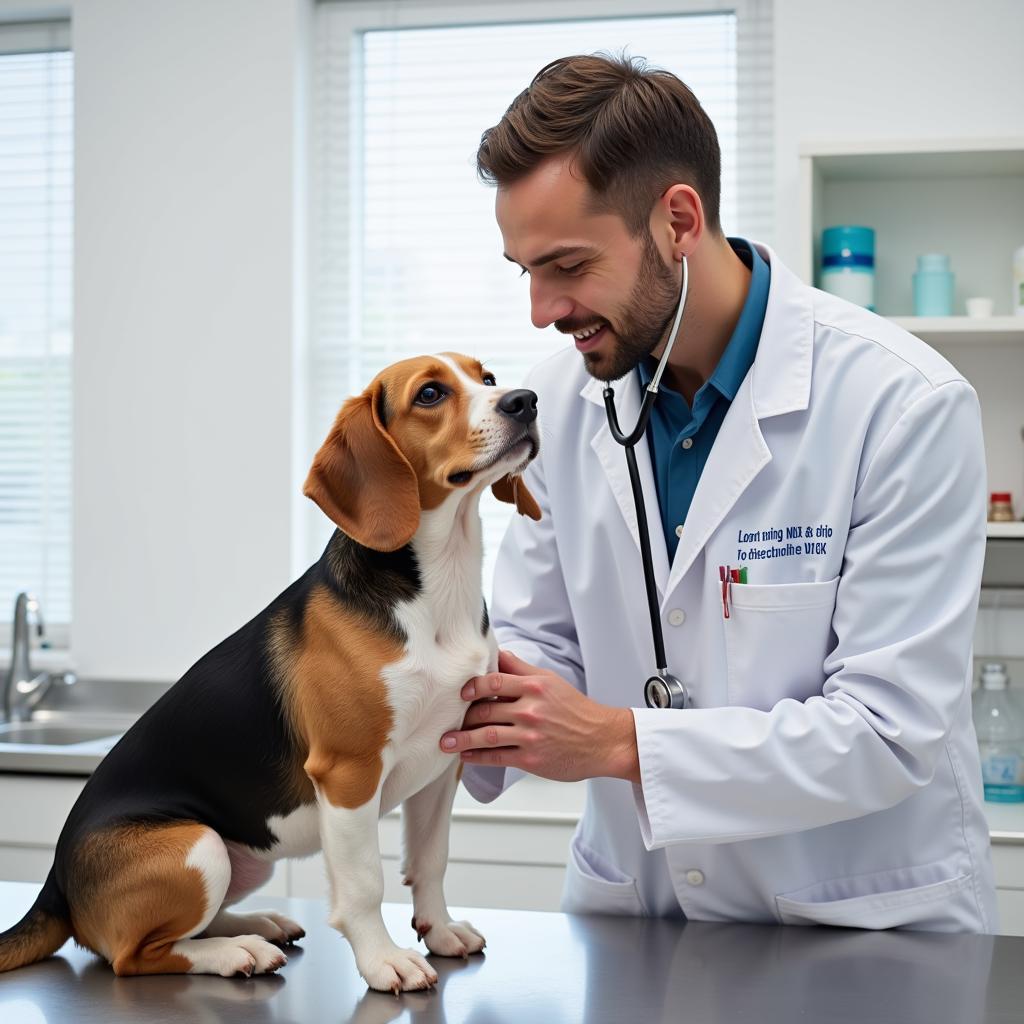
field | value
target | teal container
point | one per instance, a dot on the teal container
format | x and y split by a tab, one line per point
848	263
933	285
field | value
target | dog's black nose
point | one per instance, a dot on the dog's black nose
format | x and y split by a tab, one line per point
520	404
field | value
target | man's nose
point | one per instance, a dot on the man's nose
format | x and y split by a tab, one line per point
546	306
520	404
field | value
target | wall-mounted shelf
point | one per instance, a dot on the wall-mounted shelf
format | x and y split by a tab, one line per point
1004	561
1006	531
962	197
965	330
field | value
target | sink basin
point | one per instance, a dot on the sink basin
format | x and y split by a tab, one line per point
54	735
74	727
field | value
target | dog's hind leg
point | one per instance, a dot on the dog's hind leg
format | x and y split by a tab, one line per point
271	925
141	892
248	873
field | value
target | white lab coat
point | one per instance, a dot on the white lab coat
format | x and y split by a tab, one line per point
828	772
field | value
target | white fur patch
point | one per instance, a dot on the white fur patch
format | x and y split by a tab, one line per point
210	857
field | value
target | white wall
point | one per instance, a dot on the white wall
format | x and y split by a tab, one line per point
913	69
190	170
188	226
876	69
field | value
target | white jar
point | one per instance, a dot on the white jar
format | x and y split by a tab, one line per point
1017	304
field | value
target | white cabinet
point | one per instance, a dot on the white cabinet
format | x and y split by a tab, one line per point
33	809
512	856
509	854
1006	823
508	861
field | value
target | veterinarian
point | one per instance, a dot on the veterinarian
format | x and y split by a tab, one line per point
824	770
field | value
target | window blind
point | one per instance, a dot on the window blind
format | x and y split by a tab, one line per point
35	320
407	254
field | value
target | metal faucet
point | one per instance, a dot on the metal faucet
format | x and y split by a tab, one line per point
23	690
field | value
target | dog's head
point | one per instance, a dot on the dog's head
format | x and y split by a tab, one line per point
424	429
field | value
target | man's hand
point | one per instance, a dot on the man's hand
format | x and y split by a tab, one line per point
526	717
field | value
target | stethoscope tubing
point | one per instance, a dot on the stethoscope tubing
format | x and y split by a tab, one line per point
628	441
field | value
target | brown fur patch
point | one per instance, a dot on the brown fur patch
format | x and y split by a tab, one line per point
511	489
436	440
387	458
282	645
337	700
361	480
133	896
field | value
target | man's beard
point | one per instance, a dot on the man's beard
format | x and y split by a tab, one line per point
643	322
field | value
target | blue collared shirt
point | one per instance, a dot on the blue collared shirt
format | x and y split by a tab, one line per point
680	438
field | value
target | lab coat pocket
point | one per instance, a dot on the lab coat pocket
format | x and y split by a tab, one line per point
891	900
594	886
776	640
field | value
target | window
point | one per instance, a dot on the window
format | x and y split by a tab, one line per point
35	319
407	253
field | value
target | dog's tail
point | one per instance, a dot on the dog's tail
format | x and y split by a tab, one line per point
42	931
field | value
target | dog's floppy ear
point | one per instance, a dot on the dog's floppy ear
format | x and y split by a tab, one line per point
362	481
512	489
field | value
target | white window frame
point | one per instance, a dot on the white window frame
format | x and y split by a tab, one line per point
37	27
755	137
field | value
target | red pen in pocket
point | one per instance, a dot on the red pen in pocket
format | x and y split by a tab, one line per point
725	576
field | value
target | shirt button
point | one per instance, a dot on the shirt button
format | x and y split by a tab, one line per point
677	616
687	443
679	530
695	877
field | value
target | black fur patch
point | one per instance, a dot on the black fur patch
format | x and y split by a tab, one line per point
217	747
372	582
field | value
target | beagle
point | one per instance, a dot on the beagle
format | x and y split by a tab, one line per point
317	717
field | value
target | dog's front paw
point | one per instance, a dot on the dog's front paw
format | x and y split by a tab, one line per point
396	970
456	938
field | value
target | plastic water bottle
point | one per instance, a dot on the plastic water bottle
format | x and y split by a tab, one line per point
1000	730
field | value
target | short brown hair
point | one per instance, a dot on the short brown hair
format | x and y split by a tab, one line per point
635	131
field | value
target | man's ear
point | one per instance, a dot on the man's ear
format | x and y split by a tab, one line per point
512	489
362	482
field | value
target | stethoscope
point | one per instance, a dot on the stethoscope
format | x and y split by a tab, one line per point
662	690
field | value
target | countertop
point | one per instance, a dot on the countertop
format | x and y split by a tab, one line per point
545	968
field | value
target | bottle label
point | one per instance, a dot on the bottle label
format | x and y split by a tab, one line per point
1004	794
1002	776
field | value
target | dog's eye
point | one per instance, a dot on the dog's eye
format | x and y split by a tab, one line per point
490	380
429	394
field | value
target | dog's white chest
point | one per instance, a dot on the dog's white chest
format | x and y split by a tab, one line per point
425	694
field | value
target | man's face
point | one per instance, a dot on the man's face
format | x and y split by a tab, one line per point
586	271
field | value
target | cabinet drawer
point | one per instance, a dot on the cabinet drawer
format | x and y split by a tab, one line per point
1008	863
1011	911
466	883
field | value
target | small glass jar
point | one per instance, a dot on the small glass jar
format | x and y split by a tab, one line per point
1000	508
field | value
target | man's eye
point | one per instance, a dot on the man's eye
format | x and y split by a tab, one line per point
490	380
570	270
429	394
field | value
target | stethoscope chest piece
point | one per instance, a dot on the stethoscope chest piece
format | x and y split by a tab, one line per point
665	691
